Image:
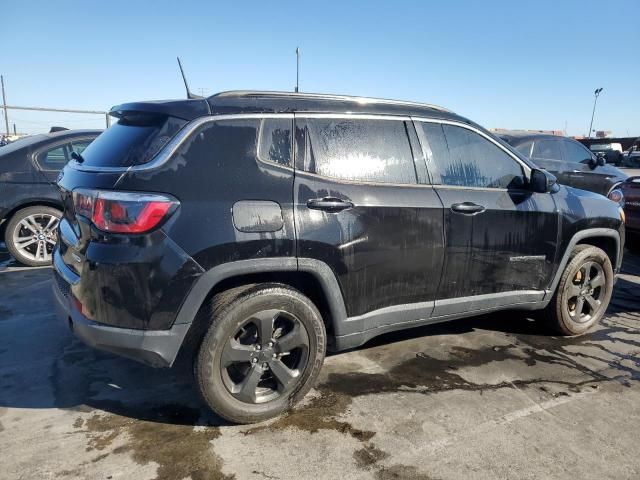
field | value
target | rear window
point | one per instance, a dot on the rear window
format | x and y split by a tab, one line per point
133	140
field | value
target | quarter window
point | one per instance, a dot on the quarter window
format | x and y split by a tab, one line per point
470	159
275	141
54	159
361	150
547	150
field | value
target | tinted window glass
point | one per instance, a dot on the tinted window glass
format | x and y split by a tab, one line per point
364	150
132	141
275	141
474	161
436	147
547	149
575	152
53	159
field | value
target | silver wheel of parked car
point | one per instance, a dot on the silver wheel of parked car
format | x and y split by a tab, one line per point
32	234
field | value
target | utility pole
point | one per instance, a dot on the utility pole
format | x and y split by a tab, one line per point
297	69
4	105
596	93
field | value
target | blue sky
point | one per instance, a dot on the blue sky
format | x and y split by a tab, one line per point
501	63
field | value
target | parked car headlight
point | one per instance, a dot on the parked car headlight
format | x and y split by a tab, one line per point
617	196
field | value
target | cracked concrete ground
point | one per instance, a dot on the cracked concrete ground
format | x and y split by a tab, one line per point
489	397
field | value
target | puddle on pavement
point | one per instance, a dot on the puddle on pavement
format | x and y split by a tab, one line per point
320	413
172	442
401	472
368	456
426	374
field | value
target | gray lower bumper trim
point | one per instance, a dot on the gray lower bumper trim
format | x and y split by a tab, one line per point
157	348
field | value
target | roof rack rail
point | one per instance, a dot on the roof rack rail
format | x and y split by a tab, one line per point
327	96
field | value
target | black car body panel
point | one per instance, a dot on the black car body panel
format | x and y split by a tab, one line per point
568	160
24	180
259	202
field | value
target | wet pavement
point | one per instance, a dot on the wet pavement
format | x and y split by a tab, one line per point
489	397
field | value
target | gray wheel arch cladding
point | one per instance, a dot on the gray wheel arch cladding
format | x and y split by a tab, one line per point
209	279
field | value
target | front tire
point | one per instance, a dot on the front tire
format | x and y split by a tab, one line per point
31	235
583	293
262	352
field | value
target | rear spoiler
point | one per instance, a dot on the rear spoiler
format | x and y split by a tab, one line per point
184	109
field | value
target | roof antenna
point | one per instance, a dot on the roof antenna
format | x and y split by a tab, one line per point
297	69
190	95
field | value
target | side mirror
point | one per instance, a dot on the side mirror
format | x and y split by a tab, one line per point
542	181
599	160
591	161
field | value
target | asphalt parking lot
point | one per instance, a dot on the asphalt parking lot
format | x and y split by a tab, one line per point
489	397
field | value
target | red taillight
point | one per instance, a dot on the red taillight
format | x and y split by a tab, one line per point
123	212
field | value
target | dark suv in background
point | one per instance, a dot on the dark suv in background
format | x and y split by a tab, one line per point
30	203
251	231
571	162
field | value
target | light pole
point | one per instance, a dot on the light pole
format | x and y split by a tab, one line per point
596	93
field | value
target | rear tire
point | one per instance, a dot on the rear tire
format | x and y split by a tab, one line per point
31	235
262	353
583	293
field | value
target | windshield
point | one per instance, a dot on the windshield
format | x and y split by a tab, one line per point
133	140
600	148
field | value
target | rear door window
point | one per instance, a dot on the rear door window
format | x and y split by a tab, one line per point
133	140
358	150
547	149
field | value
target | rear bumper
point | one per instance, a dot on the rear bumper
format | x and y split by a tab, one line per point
157	348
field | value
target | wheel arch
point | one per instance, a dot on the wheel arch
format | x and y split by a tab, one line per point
606	239
313	278
608	244
46	202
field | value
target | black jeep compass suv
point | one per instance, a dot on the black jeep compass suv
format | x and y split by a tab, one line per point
256	230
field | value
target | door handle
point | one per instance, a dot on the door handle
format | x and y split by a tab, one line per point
468	208
329	204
